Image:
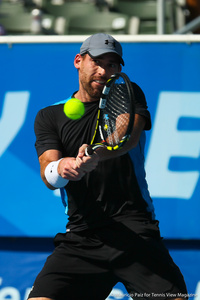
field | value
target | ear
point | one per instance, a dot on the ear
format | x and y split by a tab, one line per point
77	60
120	68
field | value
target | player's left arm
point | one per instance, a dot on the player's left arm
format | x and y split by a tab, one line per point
138	127
104	154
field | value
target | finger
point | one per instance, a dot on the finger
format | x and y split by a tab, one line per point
81	152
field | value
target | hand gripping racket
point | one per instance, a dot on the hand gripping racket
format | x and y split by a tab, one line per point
115	115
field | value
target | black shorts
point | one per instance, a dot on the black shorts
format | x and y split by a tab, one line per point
87	265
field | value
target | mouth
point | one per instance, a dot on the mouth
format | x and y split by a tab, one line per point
100	82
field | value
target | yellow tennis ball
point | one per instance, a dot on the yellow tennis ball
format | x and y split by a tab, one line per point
74	109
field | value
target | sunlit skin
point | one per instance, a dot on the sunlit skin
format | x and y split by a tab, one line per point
93	74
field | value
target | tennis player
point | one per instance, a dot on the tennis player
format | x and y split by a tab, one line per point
112	234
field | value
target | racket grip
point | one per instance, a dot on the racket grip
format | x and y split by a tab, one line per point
89	151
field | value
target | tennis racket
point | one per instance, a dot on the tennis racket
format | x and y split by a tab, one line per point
115	115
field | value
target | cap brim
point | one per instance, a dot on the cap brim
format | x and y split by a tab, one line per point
98	52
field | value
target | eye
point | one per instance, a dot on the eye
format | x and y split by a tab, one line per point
113	66
96	61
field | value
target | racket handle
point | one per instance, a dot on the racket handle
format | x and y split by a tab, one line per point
89	151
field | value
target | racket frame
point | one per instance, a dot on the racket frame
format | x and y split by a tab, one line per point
103	100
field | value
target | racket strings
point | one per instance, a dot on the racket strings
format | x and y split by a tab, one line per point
116	116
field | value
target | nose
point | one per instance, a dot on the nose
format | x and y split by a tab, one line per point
102	70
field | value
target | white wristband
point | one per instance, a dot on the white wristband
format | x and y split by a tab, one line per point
52	176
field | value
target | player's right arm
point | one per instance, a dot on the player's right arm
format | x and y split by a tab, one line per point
55	169
67	167
70	168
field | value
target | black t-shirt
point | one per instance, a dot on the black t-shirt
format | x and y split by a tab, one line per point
116	189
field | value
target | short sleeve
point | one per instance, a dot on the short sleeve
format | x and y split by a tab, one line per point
46	133
141	107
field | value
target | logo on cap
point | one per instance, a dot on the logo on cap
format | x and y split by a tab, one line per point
107	42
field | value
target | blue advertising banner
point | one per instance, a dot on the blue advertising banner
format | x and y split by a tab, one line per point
34	75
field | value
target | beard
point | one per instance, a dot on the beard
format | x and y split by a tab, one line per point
86	83
94	93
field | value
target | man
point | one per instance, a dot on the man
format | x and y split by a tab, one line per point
112	234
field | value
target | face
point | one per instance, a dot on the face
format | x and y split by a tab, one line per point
93	74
